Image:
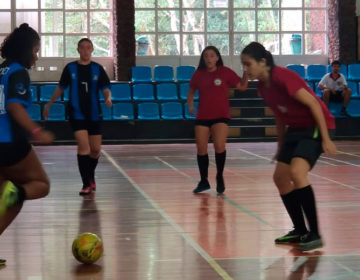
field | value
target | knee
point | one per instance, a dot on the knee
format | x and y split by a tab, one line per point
45	188
95	152
297	175
278	179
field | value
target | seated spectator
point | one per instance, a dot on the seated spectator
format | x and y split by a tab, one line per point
334	88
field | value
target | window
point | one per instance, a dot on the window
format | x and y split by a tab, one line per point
61	24
285	27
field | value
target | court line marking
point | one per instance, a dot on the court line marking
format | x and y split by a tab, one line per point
231	202
311	173
211	261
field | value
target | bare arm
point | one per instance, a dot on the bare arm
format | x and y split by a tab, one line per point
190	101
242	86
107	96
280	129
57	93
308	100
20	115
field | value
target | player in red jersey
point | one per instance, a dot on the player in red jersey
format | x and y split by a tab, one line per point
212	79
304	125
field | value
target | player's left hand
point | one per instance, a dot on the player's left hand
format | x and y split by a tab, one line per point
329	147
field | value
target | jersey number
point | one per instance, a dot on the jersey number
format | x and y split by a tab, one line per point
85	85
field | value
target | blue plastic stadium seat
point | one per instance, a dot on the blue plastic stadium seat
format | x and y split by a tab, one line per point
121	92
315	72
166	91
143	92
123	111
141	74
171	111
57	112
46	92
354	72
298	68
163	73
184	73
148	111
35	112
186	110
34	93
310	84
66	94
335	109
354	108
354	89
184	89
106	112
343	70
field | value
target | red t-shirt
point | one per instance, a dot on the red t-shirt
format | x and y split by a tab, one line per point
280	98
213	92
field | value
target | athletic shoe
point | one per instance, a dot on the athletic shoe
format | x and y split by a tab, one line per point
291	237
9	196
2	262
202	186
310	241
220	185
92	186
85	191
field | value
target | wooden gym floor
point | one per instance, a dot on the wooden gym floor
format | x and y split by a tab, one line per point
154	227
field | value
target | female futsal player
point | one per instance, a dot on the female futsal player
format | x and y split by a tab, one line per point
213	80
22	176
303	125
85	78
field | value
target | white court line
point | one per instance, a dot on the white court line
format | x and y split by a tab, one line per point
315	175
184	235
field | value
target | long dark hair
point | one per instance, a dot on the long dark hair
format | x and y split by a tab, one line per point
202	64
257	51
18	45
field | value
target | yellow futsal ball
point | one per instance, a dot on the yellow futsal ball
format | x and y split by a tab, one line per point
87	248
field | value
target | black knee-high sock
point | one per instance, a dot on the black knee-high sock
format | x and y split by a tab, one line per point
203	163
308	204
293	207
220	163
93	163
83	163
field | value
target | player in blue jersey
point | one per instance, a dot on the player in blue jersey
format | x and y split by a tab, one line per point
22	176
84	78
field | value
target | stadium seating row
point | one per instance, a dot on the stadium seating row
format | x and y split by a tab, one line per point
123	92
314	72
354	86
162	73
122	111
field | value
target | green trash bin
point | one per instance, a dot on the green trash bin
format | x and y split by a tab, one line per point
143	46
295	43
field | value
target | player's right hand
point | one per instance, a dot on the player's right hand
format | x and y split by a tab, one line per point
43	137
192	110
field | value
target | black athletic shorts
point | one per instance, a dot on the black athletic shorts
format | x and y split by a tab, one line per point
93	127
303	143
12	153
337	97
209	123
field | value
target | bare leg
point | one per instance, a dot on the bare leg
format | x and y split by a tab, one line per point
29	174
